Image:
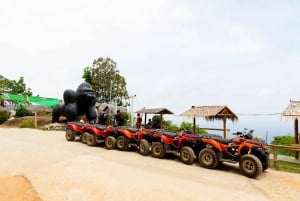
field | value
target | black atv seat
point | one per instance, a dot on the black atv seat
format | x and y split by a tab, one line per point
77	123
101	127
169	134
134	130
222	140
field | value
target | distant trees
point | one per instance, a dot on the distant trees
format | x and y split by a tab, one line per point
13	86
109	85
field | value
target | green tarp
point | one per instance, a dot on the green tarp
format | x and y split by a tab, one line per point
49	102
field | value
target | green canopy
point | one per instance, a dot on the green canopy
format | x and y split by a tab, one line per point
49	102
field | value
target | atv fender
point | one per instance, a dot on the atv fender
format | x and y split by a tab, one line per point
212	144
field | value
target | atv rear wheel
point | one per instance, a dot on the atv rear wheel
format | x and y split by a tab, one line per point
144	147
90	140
187	155
208	158
70	136
122	143
84	137
110	142
250	165
157	150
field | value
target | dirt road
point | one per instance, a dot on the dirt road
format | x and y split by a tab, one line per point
60	170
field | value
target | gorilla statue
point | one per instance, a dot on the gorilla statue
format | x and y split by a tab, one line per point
79	102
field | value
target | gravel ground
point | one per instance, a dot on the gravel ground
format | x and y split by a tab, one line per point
42	165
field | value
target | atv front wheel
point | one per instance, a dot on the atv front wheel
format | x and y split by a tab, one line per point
208	158
144	147
157	150
90	140
266	164
187	155
250	165
84	137
122	143
110	142
70	136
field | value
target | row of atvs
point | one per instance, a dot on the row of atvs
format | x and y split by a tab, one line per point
211	150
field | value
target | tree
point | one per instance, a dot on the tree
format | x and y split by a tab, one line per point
105	79
13	86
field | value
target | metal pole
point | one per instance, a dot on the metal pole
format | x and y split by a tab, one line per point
131	112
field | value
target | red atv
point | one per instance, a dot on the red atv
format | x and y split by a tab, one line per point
126	137
161	142
252	155
75	129
97	133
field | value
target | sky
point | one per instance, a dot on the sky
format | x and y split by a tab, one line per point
172	53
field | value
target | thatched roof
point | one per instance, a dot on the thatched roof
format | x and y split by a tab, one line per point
292	110
216	112
155	111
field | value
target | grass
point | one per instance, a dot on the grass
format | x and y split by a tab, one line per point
286	166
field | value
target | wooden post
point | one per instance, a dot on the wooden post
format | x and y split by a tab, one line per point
35	120
275	156
296	137
194	124
224	127
161	121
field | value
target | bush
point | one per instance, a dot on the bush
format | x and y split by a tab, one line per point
284	140
3	116
27	123
22	111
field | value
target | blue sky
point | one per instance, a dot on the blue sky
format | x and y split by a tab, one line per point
173	53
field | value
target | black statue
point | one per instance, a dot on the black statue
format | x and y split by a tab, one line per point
79	102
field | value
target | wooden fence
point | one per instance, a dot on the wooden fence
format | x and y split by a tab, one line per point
294	147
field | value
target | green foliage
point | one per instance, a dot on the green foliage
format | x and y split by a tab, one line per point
13	86
201	131
168	125
189	126
27	123
3	116
284	140
156	121
286	166
105	79
22	111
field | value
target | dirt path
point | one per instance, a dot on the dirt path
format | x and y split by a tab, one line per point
60	170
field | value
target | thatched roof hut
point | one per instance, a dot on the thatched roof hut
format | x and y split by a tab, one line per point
211	113
292	111
160	111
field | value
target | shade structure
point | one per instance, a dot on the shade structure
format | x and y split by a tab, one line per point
292	111
211	113
160	111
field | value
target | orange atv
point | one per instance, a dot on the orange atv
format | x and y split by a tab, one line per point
97	133
126	137
251	154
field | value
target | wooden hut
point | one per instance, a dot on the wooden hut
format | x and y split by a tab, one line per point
211	113
159	111
293	112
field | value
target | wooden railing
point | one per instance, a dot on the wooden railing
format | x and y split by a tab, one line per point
294	147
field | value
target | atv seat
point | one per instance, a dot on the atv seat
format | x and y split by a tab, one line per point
222	140
169	134
134	130
101	127
77	123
